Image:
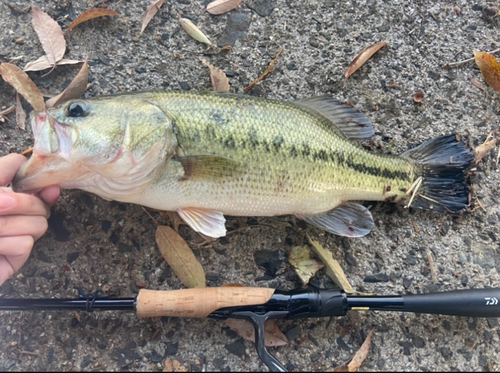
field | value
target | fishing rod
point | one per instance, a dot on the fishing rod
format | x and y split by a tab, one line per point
260	304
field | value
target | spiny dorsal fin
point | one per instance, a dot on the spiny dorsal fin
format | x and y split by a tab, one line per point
207	166
350	121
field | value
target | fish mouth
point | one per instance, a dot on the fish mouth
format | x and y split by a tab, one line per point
47	165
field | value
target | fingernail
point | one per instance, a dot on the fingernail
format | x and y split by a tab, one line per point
7	202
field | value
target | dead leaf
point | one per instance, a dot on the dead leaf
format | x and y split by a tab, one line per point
43	63
358	357
363	57
222	6
419	97
20	114
265	74
477	84
174	218
220	82
180	257
488	144
91	14
5	112
305	265
75	89
490	68
273	336
150	13
169	366
194	31
50	35
333	268
22	84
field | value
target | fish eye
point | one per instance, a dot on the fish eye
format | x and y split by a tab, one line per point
77	109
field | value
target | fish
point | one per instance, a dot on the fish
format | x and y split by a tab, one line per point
207	154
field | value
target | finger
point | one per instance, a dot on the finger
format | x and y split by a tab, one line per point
14	251
50	194
22	225
9	165
21	204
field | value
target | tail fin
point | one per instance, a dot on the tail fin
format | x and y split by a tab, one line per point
441	180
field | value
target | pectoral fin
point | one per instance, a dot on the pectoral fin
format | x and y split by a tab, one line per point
208	222
207	166
350	219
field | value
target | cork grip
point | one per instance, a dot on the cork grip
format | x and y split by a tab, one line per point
197	303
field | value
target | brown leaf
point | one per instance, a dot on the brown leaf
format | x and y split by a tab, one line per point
174	218
220	82
76	88
359	357
180	257
150	13
43	63
273	336
363	57
91	14
222	6
50	34
490	68
20	114
22	84
419	97
333	268
302	261
194	31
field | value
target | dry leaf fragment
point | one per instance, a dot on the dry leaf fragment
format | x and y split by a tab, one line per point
43	63
91	14
174	218
20	114
193	31
333	268
50	35
358	357
150	13
220	82
75	89
5	112
222	6
488	144
22	84
273	336
419	97
363	57
477	84
490	68
305	265
180	257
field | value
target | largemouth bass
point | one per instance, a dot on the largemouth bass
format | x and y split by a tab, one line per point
209	154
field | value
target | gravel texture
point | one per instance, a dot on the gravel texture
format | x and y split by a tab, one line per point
96	244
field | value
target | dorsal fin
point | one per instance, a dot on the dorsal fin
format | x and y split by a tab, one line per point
350	121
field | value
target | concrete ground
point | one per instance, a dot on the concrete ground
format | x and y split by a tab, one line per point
98	244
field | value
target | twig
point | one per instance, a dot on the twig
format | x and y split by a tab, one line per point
448	64
27	151
432	267
151	216
266	73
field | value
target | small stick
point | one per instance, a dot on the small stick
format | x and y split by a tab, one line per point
448	64
27	151
266	73
432	267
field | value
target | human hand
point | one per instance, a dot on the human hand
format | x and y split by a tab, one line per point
23	218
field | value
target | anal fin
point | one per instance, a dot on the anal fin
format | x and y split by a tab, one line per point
350	219
208	222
